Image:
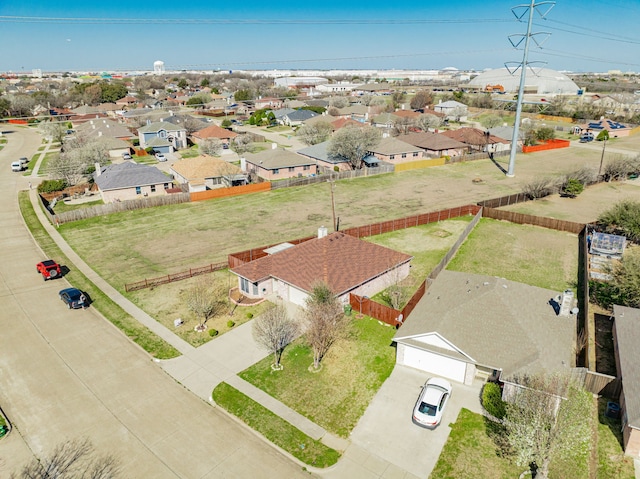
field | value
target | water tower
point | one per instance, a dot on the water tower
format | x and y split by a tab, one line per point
158	67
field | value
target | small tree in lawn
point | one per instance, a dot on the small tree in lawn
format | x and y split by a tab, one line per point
274	330
325	321
205	299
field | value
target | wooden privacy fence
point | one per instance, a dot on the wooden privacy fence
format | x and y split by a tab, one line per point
233	191
524	219
598	383
332	176
505	200
170	278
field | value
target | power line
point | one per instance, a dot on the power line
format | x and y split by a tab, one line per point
242	21
602	35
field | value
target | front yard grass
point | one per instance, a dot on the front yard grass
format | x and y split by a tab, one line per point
337	395
42	171
523	253
470	453
62	206
274	428
140	334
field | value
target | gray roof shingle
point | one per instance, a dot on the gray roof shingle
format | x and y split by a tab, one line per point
129	175
627	338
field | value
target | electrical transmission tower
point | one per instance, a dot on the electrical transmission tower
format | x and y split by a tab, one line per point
520	12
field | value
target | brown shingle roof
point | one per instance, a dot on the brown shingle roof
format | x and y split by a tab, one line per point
203	167
472	136
431	141
214	131
342	261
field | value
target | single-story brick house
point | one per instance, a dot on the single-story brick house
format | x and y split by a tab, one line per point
207	173
278	164
615	128
478	140
626	335
129	180
393	150
469	325
345	263
434	144
214	132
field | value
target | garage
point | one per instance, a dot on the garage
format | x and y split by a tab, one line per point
432	363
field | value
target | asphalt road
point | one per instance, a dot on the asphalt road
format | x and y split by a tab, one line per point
66	374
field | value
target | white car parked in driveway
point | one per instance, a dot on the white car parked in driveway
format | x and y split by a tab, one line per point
160	157
431	402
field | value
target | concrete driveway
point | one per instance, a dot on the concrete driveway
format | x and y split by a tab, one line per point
67	374
386	429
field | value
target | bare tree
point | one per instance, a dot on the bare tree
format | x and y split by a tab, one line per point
338	102
210	146
74	459
421	99
241	144
206	299
426	121
274	330
56	130
316	133
402	126
325	321
354	143
491	121
547	419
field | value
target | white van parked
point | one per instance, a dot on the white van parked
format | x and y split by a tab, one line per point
16	166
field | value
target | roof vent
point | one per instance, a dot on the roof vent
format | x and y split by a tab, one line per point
322	232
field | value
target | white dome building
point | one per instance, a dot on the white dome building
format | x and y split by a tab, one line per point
542	81
158	67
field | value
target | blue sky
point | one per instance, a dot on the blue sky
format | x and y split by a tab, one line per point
126	36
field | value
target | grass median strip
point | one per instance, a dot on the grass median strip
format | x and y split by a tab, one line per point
142	335
274	428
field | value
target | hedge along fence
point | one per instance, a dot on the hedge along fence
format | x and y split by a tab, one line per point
129	205
547	145
233	191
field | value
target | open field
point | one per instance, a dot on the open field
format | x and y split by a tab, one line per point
168	239
586	207
523	253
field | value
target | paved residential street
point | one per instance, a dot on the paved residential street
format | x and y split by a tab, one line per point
69	373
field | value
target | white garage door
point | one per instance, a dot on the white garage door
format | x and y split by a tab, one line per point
297	296
434	364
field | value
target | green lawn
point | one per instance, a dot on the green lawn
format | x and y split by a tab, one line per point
470	453
523	253
274	428
140	334
62	206
42	171
612	463
337	395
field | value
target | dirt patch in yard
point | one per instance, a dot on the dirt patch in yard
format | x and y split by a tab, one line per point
605	354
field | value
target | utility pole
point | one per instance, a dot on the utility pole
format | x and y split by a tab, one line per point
333	205
523	69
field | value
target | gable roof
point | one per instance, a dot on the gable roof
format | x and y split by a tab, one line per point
128	175
407	114
276	158
104	127
343	262
627	337
281	112
319	152
214	131
342	122
393	146
300	115
431	141
203	167
473	136
501	324
160	125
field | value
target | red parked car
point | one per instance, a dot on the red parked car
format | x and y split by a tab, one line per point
49	269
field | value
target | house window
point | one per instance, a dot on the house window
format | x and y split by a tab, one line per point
292	169
404	155
276	171
166	186
162	134
153	188
244	285
415	154
306	167
391	157
255	289
138	190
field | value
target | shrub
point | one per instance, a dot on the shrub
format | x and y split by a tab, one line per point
336	168
492	400
230	324
539	188
49	186
249	315
213	332
573	187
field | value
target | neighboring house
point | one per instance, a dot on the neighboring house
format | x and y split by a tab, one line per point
214	132
478	140
163	136
615	128
385	120
104	127
115	146
272	103
359	113
129	180
626	335
506	133
298	117
323	159
342	122
280	113
470	325
127	101
435	145
393	150
278	164
345	263
452	110
207	173
407	114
